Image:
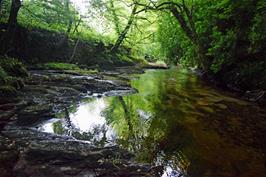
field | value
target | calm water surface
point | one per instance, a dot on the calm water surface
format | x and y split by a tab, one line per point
175	121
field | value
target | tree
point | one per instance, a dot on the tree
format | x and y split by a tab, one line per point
8	38
123	34
12	21
70	18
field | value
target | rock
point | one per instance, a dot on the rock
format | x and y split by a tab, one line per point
8	106
34	113
43	154
156	66
255	96
8	157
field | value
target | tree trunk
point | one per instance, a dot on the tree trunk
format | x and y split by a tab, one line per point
9	37
74	51
77	25
12	21
70	19
64	41
123	34
188	26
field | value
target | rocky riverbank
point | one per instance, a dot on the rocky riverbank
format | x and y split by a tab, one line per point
27	152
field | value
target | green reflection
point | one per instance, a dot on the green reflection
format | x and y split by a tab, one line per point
178	122
177	119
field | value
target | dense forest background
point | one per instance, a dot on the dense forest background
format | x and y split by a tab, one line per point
225	38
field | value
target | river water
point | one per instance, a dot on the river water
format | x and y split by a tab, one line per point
177	122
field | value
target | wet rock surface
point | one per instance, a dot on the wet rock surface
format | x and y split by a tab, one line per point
26	151
33	153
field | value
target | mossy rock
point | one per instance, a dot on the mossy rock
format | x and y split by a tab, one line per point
13	67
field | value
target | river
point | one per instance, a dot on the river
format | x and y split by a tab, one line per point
175	121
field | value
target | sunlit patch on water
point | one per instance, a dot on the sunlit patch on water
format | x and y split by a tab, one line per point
88	116
170	172
48	126
175	165
86	122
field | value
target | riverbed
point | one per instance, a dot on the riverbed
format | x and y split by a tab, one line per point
175	123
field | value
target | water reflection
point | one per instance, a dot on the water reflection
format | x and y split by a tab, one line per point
86	122
175	122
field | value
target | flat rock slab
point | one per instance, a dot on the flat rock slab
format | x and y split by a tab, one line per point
42	154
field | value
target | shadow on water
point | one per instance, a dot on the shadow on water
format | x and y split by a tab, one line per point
176	122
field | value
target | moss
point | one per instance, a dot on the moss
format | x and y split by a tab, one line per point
69	68
60	66
85	71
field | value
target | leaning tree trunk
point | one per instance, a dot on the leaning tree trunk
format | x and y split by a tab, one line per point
74	52
188	26
123	34
76	25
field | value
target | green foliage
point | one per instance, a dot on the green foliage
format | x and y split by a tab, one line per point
53	16
257	34
3	76
47	14
222	34
221	49
4	10
228	33
175	45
